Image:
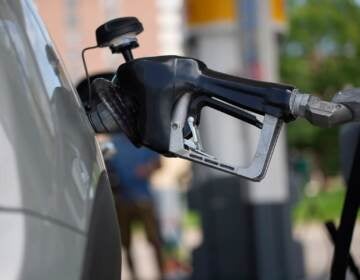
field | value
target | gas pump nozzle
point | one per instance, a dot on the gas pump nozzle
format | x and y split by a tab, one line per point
170	93
157	102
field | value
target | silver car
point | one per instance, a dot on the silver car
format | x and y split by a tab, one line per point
57	217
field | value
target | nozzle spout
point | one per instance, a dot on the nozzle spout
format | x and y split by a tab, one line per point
319	112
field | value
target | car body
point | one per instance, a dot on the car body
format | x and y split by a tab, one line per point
57	217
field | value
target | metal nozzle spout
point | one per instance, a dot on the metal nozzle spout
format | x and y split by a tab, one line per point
319	112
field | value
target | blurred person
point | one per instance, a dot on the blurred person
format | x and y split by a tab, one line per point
132	168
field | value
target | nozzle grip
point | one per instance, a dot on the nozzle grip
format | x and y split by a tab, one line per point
256	96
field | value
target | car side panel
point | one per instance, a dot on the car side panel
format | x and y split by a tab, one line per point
56	210
33	249
53	162
103	249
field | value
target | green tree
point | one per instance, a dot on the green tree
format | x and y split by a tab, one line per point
321	55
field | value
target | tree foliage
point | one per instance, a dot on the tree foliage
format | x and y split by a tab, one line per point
321	54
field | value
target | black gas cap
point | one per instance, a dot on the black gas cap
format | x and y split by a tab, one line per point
115	28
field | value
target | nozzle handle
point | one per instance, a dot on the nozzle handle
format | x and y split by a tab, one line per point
256	96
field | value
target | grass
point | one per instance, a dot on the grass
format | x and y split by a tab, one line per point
326	205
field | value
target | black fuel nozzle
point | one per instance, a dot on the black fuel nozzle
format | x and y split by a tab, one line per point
157	83
157	102
171	91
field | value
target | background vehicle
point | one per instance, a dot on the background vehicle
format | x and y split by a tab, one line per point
56	208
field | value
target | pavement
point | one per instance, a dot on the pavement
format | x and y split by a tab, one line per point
318	250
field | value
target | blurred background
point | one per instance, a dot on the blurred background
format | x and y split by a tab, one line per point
228	228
